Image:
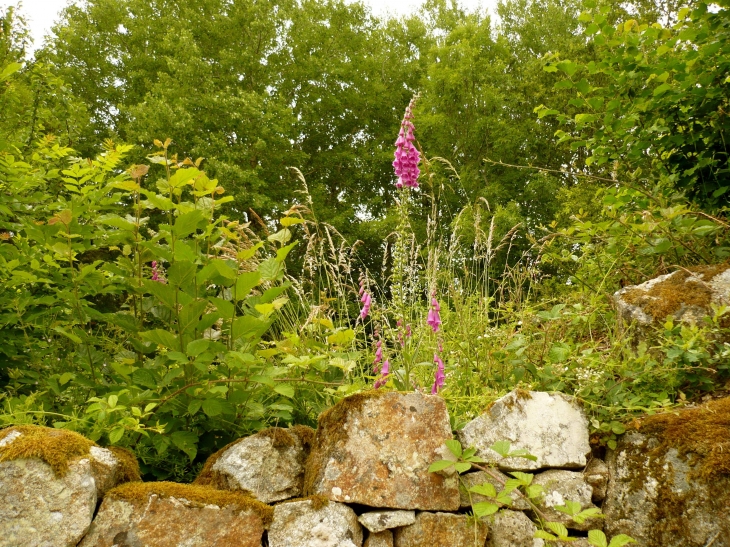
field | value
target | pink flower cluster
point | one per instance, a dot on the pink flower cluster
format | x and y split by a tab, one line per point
366	300
406	154
434	318
156	273
439	377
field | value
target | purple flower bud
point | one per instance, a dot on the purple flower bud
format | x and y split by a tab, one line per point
380	382
366	301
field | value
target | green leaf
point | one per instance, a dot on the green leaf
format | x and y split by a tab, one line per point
597	538
568	67
290	221
144	378
524	478
559	529
583	86
287	390
341	337
454	447
484	508
249	327
282	253
194	406
196	347
440	465
501	448
186	441
462	467
71	336
486	489
282	236
269	269
570	508
187	223
116	434
542	534
161	337
9	70
181	273
621	540
662	89
245	283
163	292
212	407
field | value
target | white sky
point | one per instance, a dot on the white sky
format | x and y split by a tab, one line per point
41	14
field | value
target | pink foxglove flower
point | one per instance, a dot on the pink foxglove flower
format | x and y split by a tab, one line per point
366	301
434	318
156	273
385	371
378	355
406	154
439	376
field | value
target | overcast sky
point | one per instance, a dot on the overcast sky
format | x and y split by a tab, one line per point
41	14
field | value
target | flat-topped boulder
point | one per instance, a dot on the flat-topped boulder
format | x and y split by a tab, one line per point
50	482
315	522
687	295
550	426
269	464
375	449
511	529
669	481
377	521
165	514
442	530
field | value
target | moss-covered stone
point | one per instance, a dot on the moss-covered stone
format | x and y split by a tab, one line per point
57	447
139	493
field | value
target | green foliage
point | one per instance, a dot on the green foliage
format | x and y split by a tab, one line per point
521	484
654	101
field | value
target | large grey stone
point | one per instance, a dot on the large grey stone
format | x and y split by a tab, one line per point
550	426
511	529
269	464
660	497
306	524
375	449
686	294
177	515
377	521
50	483
442	530
469	480
561	486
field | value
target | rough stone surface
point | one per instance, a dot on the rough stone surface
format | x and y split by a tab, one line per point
377	521
442	530
687	295
656	497
511	529
299	524
38	509
380	539
550	426
561	485
375	449
480	477
172	522
271	467
107	469
596	475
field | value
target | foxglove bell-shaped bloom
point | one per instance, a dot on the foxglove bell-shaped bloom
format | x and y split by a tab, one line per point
385	371
366	301
378	355
434	318
407	155
439	376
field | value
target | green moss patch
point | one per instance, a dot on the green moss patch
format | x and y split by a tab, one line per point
667	297
318	501
57	447
139	492
128	464
702	434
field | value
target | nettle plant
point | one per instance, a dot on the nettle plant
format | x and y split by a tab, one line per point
137	313
520	484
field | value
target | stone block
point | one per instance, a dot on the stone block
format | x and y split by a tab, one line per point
442	530
309	523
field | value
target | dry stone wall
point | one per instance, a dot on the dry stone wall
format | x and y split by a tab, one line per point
362	479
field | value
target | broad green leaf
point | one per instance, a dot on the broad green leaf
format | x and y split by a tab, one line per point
568	67
287	390
290	221
9	70
194	406
245	283
144	378
542	534
181	273
558	529
440	465
186	441
282	236
485	489
597	538
116	434
196	347
621	540
187	223
462	467
162	291
341	337
484	508
269	269
524	478
501	448
454	447
212	407
282	253
161	337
